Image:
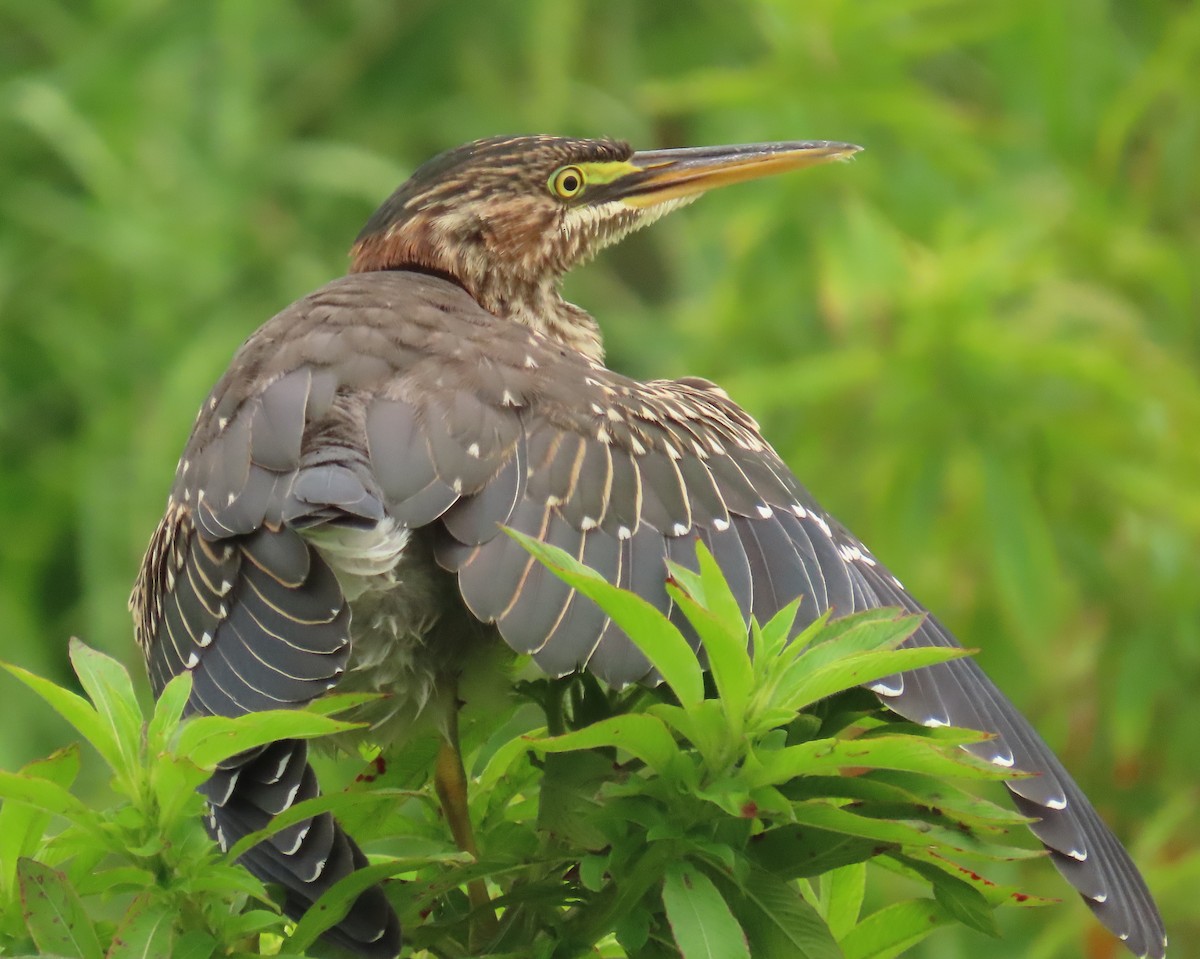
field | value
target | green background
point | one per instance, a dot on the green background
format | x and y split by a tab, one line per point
978	343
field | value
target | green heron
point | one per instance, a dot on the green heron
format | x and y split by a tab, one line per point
335	520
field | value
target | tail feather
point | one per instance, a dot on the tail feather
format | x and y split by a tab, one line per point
308	857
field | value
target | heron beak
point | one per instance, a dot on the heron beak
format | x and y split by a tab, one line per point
661	175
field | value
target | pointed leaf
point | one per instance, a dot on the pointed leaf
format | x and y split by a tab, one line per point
336	803
208	740
806	683
780	923
147	930
824	815
659	641
965	904
995	893
568	805
950	800
801	852
834	756
333	703
76	710
881	628
703	925
54	913
117	879
638	734
842	892
196	944
336	902
22	825
728	659
705	727
709	589
771	637
174	780
108	685
168	713
45	795
890	932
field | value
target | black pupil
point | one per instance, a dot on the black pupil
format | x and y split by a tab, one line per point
569	183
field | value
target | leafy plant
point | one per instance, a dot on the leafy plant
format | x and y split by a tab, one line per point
730	811
138	878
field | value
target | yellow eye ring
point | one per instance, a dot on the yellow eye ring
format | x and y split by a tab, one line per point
567	182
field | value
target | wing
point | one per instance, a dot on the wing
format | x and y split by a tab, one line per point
625	475
231	592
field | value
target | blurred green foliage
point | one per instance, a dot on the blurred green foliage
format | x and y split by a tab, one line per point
978	344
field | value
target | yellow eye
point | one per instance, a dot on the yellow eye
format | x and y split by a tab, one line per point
566	182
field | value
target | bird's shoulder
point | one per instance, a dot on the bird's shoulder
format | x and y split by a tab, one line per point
348	362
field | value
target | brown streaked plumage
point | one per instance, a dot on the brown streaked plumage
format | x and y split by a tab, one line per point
335	518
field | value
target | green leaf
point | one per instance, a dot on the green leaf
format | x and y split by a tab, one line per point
76	710
568	805
709	590
54	913
706	727
503	758
208	740
870	630
333	703
174	780
703	925
46	795
168	713
638	734
108	685
778	920
892	931
651	631
842	892
806	683
115	880
632	930
336	803
946	799
147	930
795	852
336	902
772	637
920	861
195	944
726	642
825	815
965	904
223	881
836	819
252	922
21	824
834	756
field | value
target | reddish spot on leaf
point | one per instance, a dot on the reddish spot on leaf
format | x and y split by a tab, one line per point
749	810
380	765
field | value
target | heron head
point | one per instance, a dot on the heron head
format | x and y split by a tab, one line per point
506	217
527	209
